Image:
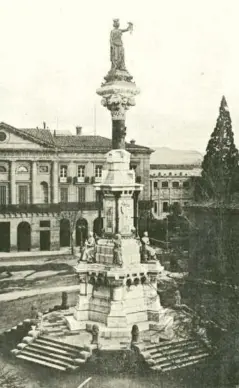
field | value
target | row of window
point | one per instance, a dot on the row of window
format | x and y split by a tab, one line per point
175	174
23	194
80	171
63	170
175	185
21	169
24	169
64	194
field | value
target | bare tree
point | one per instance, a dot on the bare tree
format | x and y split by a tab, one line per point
72	216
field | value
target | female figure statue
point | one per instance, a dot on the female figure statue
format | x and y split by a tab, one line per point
88	252
147	250
116	46
117	250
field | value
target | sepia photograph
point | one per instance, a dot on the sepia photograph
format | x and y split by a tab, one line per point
119	194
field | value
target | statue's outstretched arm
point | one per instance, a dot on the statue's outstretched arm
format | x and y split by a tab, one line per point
125	30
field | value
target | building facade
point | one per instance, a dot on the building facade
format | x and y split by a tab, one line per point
47	186
170	184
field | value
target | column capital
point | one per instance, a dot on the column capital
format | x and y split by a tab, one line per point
118	96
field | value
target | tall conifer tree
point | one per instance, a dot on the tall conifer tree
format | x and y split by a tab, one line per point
220	164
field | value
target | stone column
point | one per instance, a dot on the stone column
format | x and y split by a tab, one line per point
54	172
118	128
34	183
13	183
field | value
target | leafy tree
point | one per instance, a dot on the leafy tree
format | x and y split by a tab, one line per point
220	164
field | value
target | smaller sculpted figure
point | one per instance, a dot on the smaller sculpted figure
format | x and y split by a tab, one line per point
177	298
148	253
135	334
88	251
95	335
117	250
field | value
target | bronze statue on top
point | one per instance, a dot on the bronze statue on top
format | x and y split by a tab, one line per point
116	45
117	57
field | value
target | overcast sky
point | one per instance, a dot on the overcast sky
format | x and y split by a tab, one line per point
183	55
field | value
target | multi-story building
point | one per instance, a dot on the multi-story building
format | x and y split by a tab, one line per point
171	184
43	175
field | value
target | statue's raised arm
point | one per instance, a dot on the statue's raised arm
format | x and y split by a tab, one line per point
129	28
116	45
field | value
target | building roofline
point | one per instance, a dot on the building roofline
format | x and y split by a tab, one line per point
174	166
25	135
94	144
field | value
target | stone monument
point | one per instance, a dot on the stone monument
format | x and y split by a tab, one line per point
118	90
118	291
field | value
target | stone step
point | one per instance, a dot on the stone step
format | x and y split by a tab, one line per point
171	368
166	345
52	349
176	349
177	356
40	362
44	352
182	361
174	366
57	347
52	360
59	344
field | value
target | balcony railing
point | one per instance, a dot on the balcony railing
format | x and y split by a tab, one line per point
58	207
62	179
49	207
74	206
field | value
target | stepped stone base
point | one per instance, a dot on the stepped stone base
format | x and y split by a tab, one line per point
120	308
171	355
52	353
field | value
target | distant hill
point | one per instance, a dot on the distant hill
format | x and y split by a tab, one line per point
164	155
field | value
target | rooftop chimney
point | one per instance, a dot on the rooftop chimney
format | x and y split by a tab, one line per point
78	131
132	141
44	125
